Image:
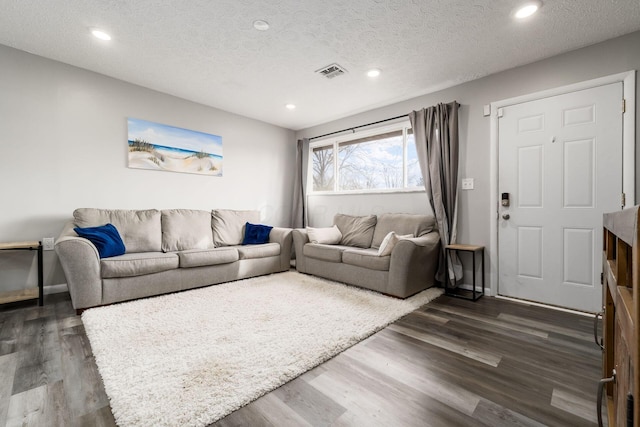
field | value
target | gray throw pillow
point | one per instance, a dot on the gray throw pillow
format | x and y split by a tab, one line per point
228	225
356	230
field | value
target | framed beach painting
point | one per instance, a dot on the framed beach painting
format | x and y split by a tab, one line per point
167	148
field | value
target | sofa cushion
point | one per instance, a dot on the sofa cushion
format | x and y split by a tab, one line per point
331	253
228	225
184	229
141	231
202	257
137	264
356	230
402	224
259	251
327	236
367	258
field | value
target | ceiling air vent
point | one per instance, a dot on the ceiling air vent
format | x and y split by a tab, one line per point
331	71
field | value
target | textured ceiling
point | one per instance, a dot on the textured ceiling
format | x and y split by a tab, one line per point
208	51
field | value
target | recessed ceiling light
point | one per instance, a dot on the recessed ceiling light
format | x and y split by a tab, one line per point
527	9
374	72
290	106
99	34
260	25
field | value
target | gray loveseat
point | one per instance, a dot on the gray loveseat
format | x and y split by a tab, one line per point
166	251
408	269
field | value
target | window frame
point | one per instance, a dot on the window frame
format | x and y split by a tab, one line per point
334	143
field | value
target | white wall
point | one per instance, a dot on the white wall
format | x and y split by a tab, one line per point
474	217
63	140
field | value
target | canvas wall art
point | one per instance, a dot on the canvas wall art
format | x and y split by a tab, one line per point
161	147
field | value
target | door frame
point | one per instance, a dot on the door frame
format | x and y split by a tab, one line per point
628	80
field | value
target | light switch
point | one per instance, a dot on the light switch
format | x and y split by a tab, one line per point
486	109
467	183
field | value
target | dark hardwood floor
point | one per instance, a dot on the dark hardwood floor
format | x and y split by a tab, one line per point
452	363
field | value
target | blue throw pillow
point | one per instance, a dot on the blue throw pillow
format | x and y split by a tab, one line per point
105	238
255	234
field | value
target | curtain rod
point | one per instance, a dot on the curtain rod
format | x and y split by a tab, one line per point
353	129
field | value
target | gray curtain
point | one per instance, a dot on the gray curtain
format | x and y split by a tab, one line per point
436	134
299	206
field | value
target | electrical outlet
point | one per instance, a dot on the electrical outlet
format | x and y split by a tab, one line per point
467	184
47	243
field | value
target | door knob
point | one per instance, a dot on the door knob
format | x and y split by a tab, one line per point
506	216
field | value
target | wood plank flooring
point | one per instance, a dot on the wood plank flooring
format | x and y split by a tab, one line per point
452	363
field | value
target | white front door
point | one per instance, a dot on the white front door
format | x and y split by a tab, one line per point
560	161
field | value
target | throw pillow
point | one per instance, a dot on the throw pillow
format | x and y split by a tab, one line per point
356	230
327	236
105	238
389	242
256	234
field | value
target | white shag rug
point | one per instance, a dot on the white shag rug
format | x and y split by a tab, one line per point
190	358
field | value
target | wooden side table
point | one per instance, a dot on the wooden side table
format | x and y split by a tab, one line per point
31	293
472	294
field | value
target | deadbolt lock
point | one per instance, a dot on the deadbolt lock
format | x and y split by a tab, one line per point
505	200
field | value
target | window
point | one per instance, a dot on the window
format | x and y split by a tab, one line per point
384	159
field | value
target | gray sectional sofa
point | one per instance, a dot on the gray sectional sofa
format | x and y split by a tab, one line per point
355	259
166	251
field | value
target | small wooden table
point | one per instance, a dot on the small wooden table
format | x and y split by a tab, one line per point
473	294
31	293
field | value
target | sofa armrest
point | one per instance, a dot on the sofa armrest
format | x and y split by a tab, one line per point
413	264
81	265
283	237
300	238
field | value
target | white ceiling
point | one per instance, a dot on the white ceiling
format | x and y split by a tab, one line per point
207	51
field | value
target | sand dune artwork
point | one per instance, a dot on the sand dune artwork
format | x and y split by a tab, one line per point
167	148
